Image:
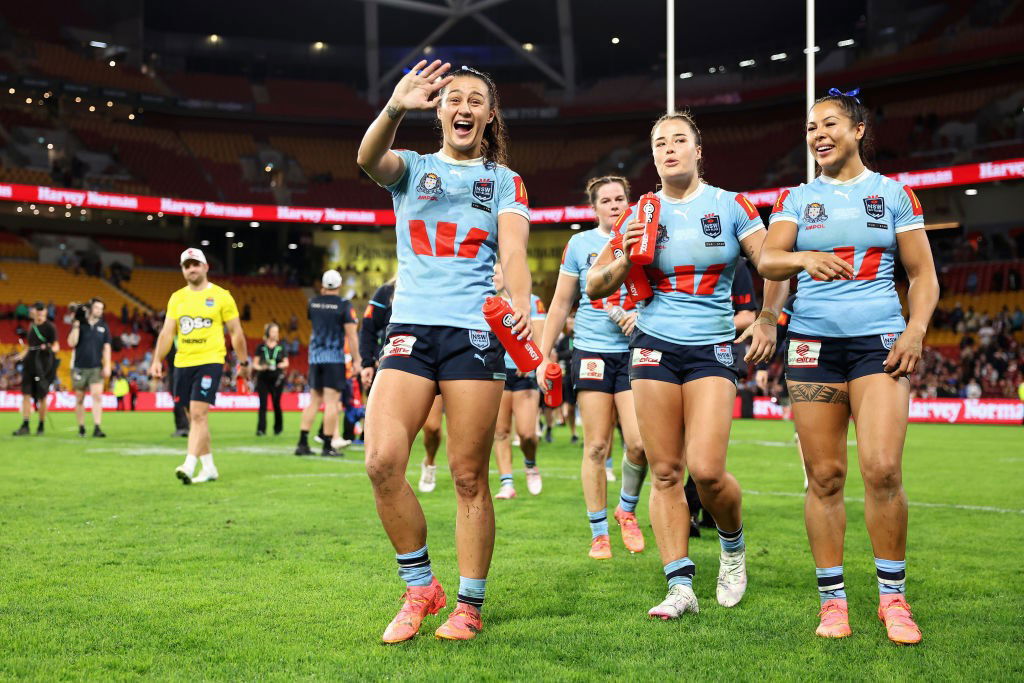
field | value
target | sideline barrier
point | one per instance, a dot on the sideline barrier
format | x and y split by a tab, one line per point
992	411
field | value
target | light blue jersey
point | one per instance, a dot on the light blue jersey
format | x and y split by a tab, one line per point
594	331
537	312
696	253
858	220
446	220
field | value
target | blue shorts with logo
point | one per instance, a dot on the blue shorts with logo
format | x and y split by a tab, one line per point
665	361
607	373
442	353
513	382
327	376
835	360
197	383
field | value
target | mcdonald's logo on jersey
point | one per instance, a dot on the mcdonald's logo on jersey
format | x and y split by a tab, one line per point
521	195
747	206
780	201
915	204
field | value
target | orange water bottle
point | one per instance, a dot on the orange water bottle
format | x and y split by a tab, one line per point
648	212
553	385
499	315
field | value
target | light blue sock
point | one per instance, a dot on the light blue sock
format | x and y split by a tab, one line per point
471	591
608	463
598	523
732	541
628	502
506	480
830	583
680	572
892	576
414	567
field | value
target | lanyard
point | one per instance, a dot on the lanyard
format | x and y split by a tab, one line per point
35	330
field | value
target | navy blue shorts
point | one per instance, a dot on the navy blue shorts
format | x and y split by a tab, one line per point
604	372
443	353
665	361
326	376
568	392
513	382
835	360
197	383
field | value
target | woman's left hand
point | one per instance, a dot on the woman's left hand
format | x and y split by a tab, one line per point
904	355
762	334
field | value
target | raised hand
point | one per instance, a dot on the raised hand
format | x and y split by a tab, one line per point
419	87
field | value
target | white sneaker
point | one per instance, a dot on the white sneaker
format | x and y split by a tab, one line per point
533	482
506	492
428	480
182	473
317	438
515	441
680	599
609	473
337	443
206	474
732	578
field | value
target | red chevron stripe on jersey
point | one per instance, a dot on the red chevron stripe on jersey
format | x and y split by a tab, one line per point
747	206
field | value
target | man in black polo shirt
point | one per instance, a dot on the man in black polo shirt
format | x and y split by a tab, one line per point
39	367
91	367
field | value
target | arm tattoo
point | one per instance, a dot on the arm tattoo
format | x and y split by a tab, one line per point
392	111
608	276
817	393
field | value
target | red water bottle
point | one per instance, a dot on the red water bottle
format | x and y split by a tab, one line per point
499	315
648	212
553	385
636	279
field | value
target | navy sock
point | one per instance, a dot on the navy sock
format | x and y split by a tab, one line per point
414	567
830	583
598	523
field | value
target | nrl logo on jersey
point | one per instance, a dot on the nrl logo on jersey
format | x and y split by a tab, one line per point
815	213
483	189
429	186
874	206
712	225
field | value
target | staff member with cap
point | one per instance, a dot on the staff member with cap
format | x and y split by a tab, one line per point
38	367
333	323
90	338
196	317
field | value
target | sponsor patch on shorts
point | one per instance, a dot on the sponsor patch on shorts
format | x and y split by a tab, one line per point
889	338
723	353
399	345
804	353
591	368
642	357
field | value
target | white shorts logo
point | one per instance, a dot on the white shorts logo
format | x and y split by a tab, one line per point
643	357
479	339
804	354
591	368
723	353
399	345
889	338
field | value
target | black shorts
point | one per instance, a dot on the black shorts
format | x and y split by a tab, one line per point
197	383
326	376
513	382
607	373
36	387
836	359
665	361
442	353
568	392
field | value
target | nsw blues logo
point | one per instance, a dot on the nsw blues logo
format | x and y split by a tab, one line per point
723	353
480	339
712	225
205	383
874	206
483	189
430	184
209	302
889	338
815	213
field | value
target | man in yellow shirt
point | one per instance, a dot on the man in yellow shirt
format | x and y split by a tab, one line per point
196	317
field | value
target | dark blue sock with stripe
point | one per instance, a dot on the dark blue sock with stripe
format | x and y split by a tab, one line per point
414	567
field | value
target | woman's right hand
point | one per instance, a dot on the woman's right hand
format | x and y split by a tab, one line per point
418	88
634	233
541	373
825	266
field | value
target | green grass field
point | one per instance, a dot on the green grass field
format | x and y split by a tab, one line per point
111	568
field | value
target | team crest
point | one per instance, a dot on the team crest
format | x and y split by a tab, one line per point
591	257
662	238
206	382
712	225
483	189
479	339
889	338
723	353
874	206
209	302
815	213
430	184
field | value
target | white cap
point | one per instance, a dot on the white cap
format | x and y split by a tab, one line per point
331	279
193	254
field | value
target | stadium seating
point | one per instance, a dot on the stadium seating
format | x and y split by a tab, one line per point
14	247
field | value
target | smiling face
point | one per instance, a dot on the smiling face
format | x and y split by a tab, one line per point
676	151
464	110
832	136
610	203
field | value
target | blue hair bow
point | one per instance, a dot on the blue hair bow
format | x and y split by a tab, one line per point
836	92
